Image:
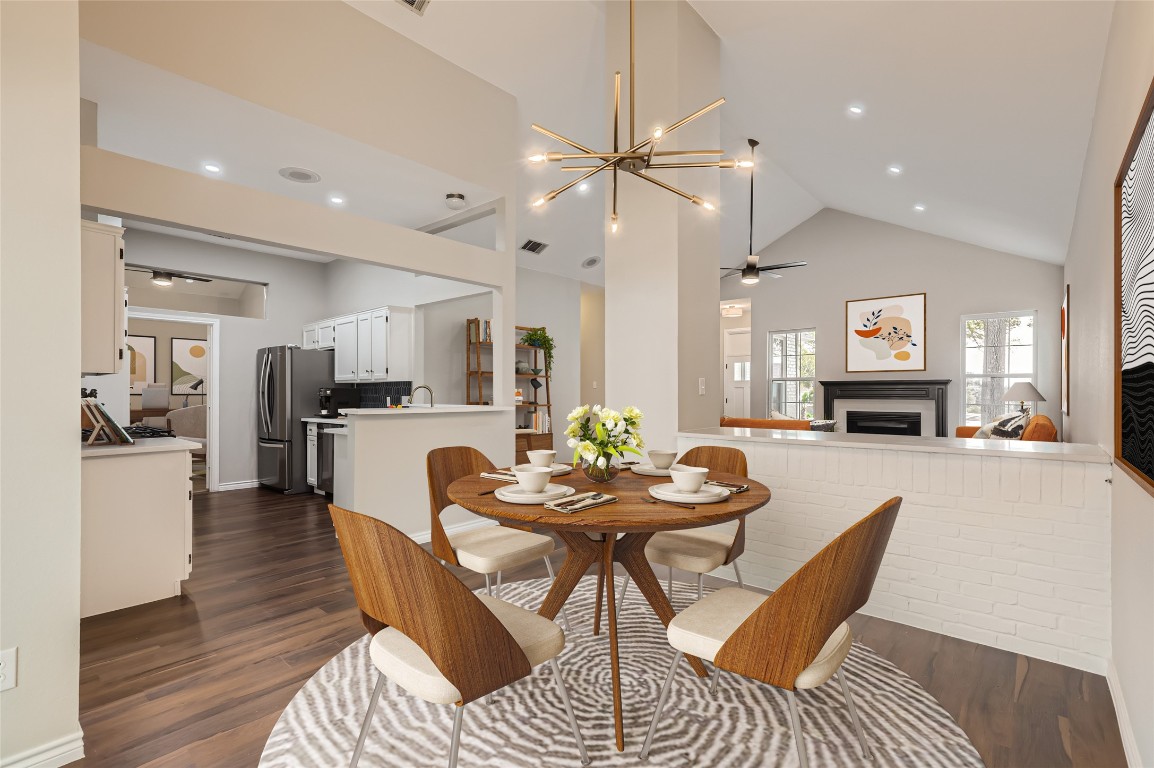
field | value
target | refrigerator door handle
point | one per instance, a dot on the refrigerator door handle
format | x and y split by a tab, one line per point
266	421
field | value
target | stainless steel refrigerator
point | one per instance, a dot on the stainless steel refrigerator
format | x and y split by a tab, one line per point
287	380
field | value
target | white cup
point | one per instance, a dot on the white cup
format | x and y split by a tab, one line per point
533	479
662	459
688	479
541	458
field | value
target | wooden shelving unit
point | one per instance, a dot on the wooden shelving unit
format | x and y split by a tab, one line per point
478	371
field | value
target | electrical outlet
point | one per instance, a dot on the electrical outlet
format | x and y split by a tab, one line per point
7	669
701	386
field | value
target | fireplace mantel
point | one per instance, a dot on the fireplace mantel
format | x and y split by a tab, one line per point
921	389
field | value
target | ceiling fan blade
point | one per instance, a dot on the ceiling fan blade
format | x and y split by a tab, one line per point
730	271
194	277
785	265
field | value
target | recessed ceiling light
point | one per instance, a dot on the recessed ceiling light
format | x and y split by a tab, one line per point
336	200
919	207
455	201
855	110
591	262
894	170
211	168
299	175
583	188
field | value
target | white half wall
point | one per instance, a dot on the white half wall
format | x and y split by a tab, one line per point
40	338
851	257
1127	71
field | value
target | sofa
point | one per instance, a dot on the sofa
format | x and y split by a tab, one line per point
1039	429
799	424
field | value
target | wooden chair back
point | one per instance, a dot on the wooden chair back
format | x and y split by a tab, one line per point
783	636
398	584
445	465
722	459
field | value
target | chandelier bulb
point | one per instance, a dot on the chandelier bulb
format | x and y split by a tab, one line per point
538	202
657	133
744	163
708	206
536	158
613	224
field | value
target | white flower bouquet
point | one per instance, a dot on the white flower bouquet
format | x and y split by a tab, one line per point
597	435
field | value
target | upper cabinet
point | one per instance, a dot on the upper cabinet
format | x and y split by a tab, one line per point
102	300
369	346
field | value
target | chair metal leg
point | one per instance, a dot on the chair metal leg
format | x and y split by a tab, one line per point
498	585
700	578
671	583
795	724
621	600
713	682
488	586
564	615
569	710
455	744
865	748
660	705
368	719
737	570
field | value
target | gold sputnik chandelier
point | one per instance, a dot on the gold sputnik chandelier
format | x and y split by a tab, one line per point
641	156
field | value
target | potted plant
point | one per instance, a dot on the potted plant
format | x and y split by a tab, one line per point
538	337
598	435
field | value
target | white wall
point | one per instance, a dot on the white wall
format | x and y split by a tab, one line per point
592	343
555	302
441	344
1126	75
296	295
353	286
851	257
40	469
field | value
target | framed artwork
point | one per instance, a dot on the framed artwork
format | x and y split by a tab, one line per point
141	351
189	366
887	333
1134	303
1066	351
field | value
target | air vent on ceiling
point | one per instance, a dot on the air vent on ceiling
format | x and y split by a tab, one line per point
533	246
417	6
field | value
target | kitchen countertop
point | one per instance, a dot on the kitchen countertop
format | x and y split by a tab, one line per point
143	445
424	410
324	420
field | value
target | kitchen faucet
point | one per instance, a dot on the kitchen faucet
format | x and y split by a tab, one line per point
425	387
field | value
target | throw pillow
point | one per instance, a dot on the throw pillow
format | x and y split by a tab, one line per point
1009	426
777	416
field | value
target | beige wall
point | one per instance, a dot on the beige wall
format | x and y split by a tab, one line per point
554	302
165	331
851	257
1126	74
592	343
40	333
440	335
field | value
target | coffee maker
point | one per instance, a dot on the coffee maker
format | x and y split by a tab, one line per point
333	399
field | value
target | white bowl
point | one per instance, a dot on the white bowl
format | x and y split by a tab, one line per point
541	458
533	479
662	459
688	479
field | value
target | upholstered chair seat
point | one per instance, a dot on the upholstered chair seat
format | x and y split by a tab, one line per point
697	550
495	548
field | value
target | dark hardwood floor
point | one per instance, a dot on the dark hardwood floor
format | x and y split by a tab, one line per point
198	681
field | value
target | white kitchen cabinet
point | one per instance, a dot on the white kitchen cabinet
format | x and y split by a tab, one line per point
309	337
311	456
326	334
102	303
379	348
345	346
365	347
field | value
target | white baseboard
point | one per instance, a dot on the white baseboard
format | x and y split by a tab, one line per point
237	485
1125	725
62	751
424	537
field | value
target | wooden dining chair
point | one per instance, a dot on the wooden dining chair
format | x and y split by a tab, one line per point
489	550
795	639
700	550
431	634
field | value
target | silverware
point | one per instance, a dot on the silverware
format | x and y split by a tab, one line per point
582	500
663	501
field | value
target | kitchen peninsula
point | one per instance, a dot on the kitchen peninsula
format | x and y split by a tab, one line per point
379	458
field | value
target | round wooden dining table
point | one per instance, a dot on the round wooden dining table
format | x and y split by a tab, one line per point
591	537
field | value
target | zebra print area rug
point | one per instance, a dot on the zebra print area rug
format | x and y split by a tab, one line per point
745	725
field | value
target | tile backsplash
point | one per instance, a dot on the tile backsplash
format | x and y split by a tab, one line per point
377	395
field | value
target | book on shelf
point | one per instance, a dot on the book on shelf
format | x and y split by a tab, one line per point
487	335
518	396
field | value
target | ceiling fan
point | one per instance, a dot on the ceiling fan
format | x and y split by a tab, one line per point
750	272
165	278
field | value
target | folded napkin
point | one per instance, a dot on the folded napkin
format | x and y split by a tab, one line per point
732	487
503	475
580	502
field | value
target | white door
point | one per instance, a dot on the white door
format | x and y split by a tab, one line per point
379	344
345	344
737	372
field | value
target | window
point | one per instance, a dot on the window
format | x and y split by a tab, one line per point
793	372
997	352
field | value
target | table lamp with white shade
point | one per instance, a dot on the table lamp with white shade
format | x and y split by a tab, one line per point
1023	392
